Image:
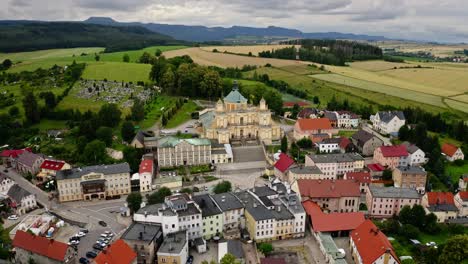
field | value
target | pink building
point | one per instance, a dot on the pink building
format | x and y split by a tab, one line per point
391	156
384	202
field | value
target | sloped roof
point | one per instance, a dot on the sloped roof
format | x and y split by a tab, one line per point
463	195
207	205
271	260
361	177
330	115
371	243
307	112
17	193
344	142
117	253
146	166
170	141
291	104
411	148
389	115
40	245
394	151
449	149
322	222
14	153
52	165
375	167
235	96
328	188
284	162
361	137
104	169
438	198
28	158
314	124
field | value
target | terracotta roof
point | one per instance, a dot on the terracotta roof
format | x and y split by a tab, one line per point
371	243
14	153
314	124
284	162
272	261
117	253
40	245
394	151
52	165
317	138
322	222
307	112
146	166
361	177
328	188
344	142
449	149
438	198
463	195
375	167
291	104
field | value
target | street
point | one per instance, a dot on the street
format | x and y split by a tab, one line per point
386	140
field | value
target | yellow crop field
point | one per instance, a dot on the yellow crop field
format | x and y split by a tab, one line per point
223	60
377	65
457	105
463	98
438	50
255	49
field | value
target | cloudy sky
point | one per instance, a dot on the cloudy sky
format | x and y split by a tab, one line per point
433	20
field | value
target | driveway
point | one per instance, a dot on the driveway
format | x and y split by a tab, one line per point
386	140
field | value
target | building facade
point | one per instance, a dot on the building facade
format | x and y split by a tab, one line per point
391	156
442	204
174	249
234	119
49	168
145	240
146	174
233	212
333	165
29	162
92	182
365	142
5	183
304	172
388	122
172	151
461	202
410	177
22	201
384	202
452	152
212	216
305	128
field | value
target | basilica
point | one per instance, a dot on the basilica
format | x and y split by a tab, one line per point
233	119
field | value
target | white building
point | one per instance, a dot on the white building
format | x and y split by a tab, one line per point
332	165
5	183
173	151
346	119
416	156
158	214
146	173
233	211
461	202
329	145
388	122
452	152
22	200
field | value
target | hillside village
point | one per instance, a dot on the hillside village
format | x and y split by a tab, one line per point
323	186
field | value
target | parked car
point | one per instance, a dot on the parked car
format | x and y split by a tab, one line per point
5	171
190	259
86	231
84	260
91	254
80	234
13	217
102	223
75	242
98	246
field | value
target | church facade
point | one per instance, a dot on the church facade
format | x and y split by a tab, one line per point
234	119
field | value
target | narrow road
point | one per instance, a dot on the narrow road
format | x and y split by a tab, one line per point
386	140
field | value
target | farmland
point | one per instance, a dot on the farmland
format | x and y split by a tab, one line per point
119	71
254	49
438	50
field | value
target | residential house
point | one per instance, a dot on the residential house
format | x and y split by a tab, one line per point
346	146
330	195
22	201
139	139
463	182
174	249
369	245
347	119
308	127
391	156
9	156
452	152
117	252
28	162
461	202
365	142
145	240
384	202
376	170
146	174
158	214
308	113
41	250
416	156
49	168
413	177
5	183
333	165
233	211
442	204
332	117
282	165
233	247
363	178
303	172
212	216
388	122
172	151
329	145
317	138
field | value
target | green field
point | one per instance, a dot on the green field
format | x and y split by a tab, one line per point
454	171
47	124
117	71
182	115
48	54
155	109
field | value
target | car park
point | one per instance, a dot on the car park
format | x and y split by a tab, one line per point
97	246
84	260
13	217
91	254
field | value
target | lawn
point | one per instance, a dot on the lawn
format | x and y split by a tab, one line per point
346	133
182	115
454	172
155	109
47	124
118	71
48	54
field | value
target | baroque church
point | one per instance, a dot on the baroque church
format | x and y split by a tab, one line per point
234	119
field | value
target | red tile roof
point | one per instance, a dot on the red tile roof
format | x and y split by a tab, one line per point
117	253
322	222
328	188
394	151
344	142
146	166
371	243
14	153
40	245
361	177
376	167
52	165
307	124
284	162
435	198
317	138
272	261
449	149
463	195
291	104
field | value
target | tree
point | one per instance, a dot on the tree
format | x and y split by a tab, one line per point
222	187
97	57
186	190
158	53
168	81
134	201
6	64
405	214
284	144
295	110
132	157
31	109
265	248
94	152
409	231
164	120
158	196
126	58
387	175
145	58
404	133
109	115
158	69
210	84
105	135
138	110
49	99
13	111
128	132
229	259
316	100
455	250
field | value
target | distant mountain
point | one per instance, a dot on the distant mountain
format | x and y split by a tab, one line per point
202	33
35	35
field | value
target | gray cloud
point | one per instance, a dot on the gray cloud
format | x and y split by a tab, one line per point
119	5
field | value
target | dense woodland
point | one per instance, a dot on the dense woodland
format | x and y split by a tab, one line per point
332	52
29	36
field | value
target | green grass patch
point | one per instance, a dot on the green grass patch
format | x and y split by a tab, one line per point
401	249
200	169
47	124
454	172
182	115
346	133
155	109
210	178
117	71
273	148
440	238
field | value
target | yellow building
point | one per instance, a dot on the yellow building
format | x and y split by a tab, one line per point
234	119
